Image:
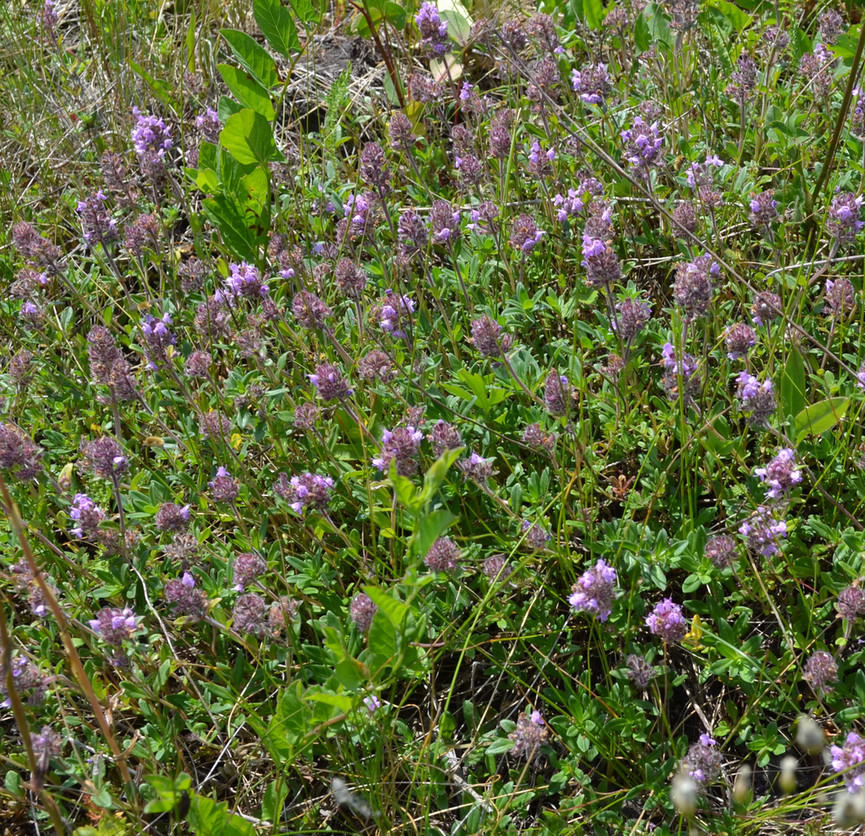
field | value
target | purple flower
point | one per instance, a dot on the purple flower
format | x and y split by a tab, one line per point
739	338
600	261
764	209
850	760
594	591
87	514
632	315
667	621
693	286
209	125
781	474
721	551
150	136
592	83
330	383
158	337
444	221
247	567
433	30
245	280
393	313
643	145
525	235
372	704
361	610
844	220
115	625
703	761
443	556
476	467
186	598
755	397
104	457
172	517
97	224
223	486
251	615
851	602
529	734
557	394
640	672
762	531
401	446
487	338
309	490
676	368
821	671
536	536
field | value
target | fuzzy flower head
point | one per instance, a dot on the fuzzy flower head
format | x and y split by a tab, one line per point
87	516
844	221
443	556
557	394
150	136
739	339
851	602
245	280
593	83
643	144
394	312
330	383
755	397
536	535
223	486
849	760
677	368
703	761
530	733
594	591
762	531
309	490
361	610
667	621
433	30
781	474
693	286
821	671
401	446
115	625
721	550
104	457
764	209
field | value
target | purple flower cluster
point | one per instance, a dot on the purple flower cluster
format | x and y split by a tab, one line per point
223	486
87	516
104	457
185	597
247	567
443	556
477	468
593	83
536	535
309	490
115	625
762	531
675	368
781	474
849	760
150	136
393	313
844	220
98	226
172	517
245	280
631	315
525	234
19	453
739	339
643	144
361	610
557	394
821	671
594	591
540	161
529	734
209	125
401	446
667	621
487	337
851	602
693	286
433	30
764	209
721	551
158	337
330	383
755	397
703	761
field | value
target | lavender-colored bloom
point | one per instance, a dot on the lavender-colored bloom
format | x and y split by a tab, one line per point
639	671
849	759
444	221
214	425
693	286
840	298
721	551
739	339
538	438
372	704
851	602
247	567
376	365
643	144
632	315
48	20
209	125
250	615
495	566
844	220
402	136
401	446
755	397
361	610
198	364
19	453
373	167
764	209
487	339
500	134
309	310
781	474
281	613
762	531
97	224
594	591
544	82
186	598
557	394
444	436
349	278
477	468
443	556
172	517
540	161
393	313
245	280
600	261
529	735
536	536
150	136
685	215
743	79
141	234
309	490
305	416
766	307
667	621
330	383
87	515
413	233
676	368
592	83
821	671
46	744
37	249
26	677
860	376
158	337
223	486
703	761
104	457
831	25
433	30
684	13
525	235
115	625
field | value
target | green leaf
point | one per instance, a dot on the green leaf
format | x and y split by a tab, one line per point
159	88
273	801
247	90
792	386
381	642
394	610
288	726
252	56
738	19
428	527
276	25
591	11
231	225
248	137
211	818
305	11
499	747
642	38
821	416
434	478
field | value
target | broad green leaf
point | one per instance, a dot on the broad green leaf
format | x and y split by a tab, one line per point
457	17
395	15
276	25
500	746
288	725
305	10
252	55
738	19
381	642
434	478
591	11
212	818
274	799
427	528
248	137
340	701
247	90
792	386
642	38
820	417
232	227
392	608
159	88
